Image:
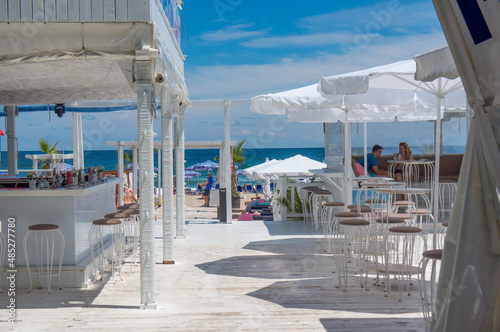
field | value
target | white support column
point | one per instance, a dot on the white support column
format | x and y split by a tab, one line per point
179	171
167	100
134	170
11	139
347	160
228	162
120	173
144	75
437	163
78	162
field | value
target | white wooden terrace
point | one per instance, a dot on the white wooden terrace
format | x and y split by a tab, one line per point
250	276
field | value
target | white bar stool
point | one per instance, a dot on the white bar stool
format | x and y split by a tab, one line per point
97	241
131	233
42	233
447	193
355	244
402	258
327	216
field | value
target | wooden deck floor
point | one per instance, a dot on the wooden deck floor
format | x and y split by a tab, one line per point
248	276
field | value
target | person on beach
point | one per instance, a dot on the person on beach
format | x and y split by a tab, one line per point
371	164
206	191
128	195
404	154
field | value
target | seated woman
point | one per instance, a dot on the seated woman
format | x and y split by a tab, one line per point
404	153
128	195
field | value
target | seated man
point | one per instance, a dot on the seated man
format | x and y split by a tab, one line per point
371	164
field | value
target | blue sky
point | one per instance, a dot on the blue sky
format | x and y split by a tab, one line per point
238	49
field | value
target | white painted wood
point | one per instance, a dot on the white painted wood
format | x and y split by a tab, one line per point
179	171
3	10
26	11
50	10
85	11
62	10
108	10
14	10
38	11
96	9
227	162
144	10
74	10
121	10
133	12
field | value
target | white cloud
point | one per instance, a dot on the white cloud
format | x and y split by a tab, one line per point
308	40
245	81
234	32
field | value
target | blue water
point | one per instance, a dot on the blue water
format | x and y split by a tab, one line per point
109	158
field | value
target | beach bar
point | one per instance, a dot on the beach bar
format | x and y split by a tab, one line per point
57	52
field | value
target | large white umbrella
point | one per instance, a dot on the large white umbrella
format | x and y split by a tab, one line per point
292	167
252	172
468	296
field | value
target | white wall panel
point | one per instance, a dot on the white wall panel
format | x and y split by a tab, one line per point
26	11
74	10
85	13
108	10
38	11
50	10
144	9
133	10
14	10
121	10
3	10
96	8
62	10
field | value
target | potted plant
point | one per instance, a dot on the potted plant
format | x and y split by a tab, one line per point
236	200
99	169
32	177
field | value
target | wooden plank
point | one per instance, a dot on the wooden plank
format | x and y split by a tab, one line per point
108	10
74	10
62	10
26	11
3	10
121	10
96	9
133	10
50	10
14	10
38	11
85	13
144	10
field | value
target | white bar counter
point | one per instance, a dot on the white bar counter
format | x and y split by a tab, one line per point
72	209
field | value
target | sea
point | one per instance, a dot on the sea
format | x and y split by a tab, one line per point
109	158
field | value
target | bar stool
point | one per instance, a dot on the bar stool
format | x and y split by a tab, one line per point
131	233
434	255
355	244
41	233
327	214
447	193
404	236
97	241
316	202
129	206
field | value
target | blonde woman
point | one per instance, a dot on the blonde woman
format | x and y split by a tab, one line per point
128	195
404	154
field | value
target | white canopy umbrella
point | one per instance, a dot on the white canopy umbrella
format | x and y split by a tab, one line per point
468	296
252	172
292	167
385	89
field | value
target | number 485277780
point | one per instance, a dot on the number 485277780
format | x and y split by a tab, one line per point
11	242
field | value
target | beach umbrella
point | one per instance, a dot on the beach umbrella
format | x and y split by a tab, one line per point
191	173
209	165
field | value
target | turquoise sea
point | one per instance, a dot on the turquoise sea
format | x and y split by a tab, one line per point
109	158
